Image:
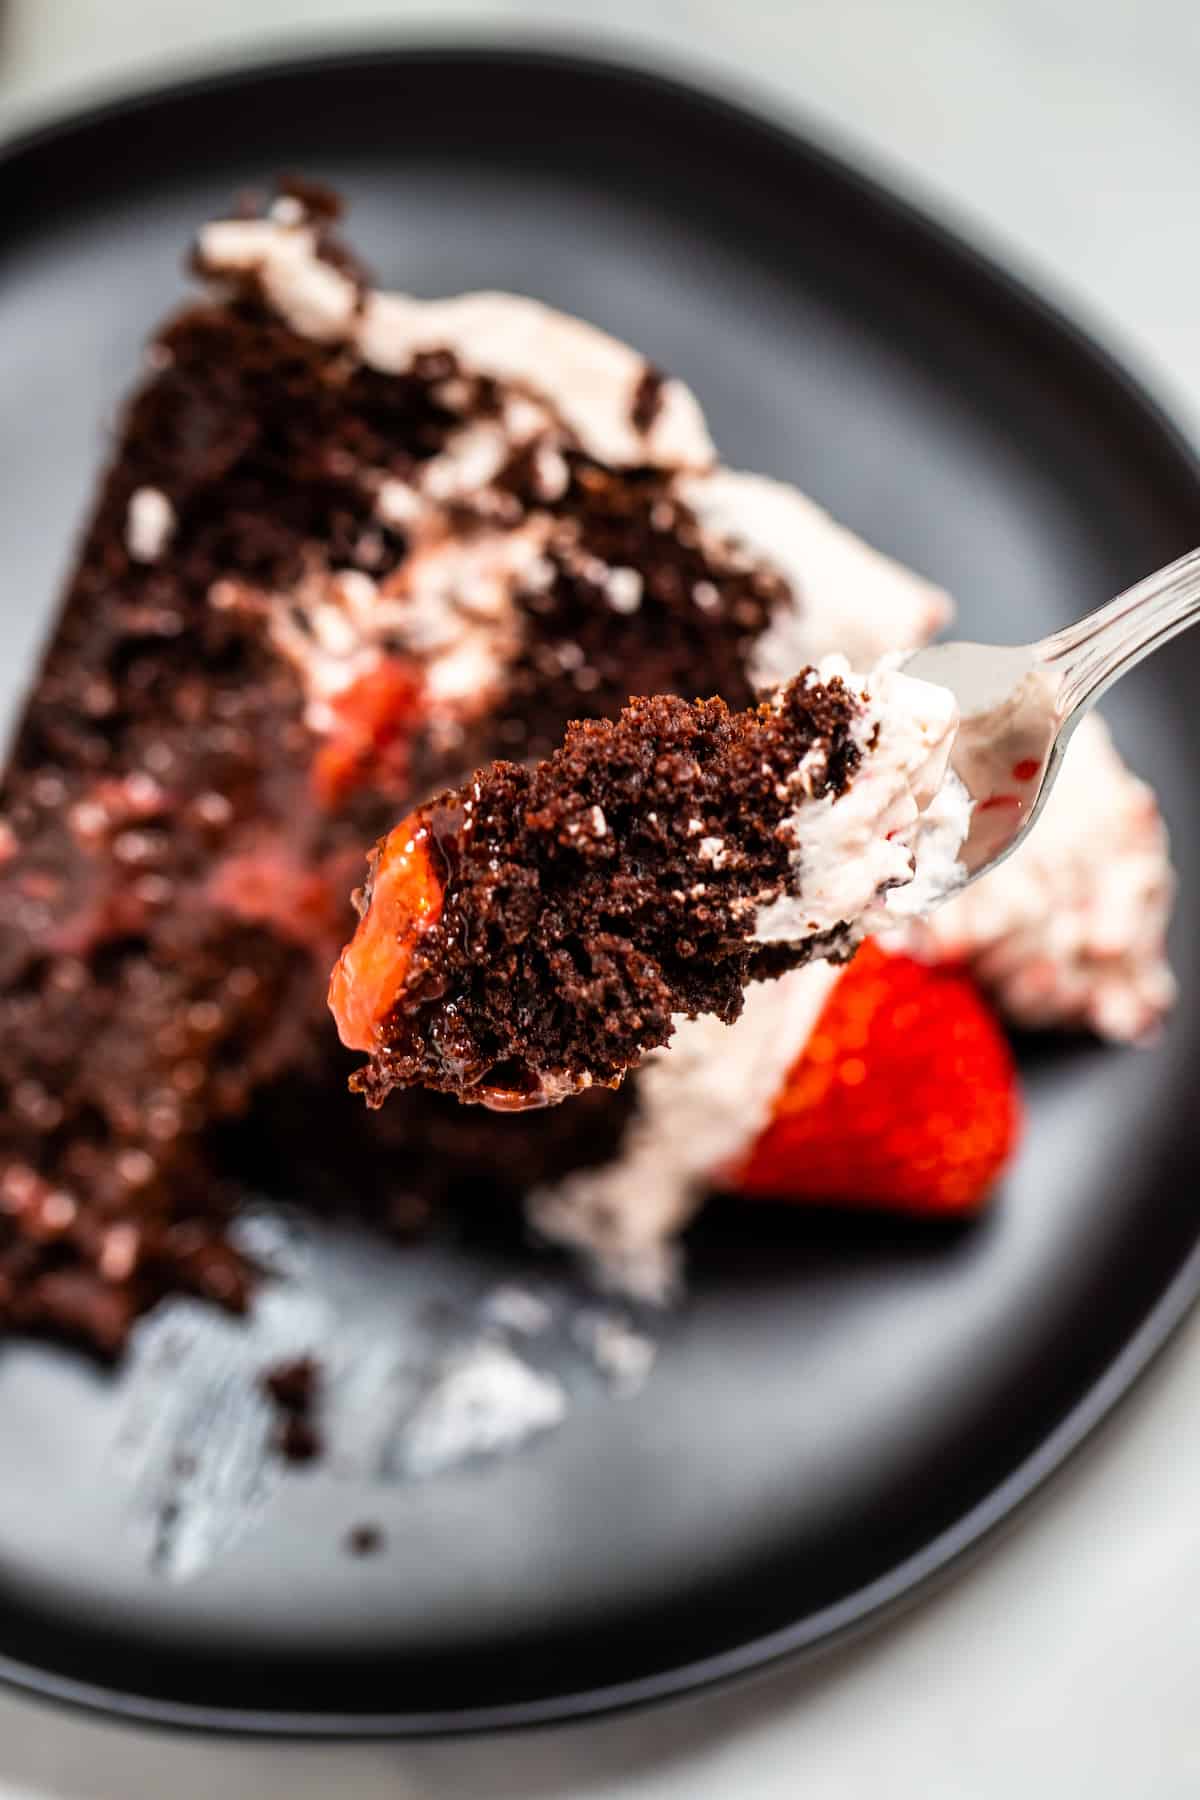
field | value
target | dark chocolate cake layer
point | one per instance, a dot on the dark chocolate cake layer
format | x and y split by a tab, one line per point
348	546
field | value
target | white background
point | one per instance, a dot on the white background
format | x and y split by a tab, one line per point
1064	134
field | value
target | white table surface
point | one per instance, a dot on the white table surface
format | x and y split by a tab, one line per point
1065	134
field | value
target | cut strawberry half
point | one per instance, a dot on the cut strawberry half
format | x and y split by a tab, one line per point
905	1097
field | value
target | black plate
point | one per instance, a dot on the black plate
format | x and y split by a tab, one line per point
839	1410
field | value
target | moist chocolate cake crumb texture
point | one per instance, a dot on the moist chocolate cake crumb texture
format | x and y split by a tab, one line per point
580	903
293	1388
188	794
365	1540
297	1439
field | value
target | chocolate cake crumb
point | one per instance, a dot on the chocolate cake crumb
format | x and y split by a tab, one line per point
292	1386
365	1540
647	399
554	919
293	1389
297	1440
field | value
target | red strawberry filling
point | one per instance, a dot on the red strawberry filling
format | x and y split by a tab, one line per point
403	898
373	723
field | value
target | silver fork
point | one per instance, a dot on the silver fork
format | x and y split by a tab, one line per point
1020	703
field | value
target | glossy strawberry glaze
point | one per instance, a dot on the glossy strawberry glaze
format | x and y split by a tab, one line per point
404	899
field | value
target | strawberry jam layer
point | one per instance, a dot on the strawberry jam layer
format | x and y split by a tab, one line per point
401	901
371	727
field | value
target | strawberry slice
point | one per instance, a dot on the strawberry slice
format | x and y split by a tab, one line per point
905	1097
402	900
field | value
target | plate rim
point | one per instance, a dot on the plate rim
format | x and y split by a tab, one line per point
1174	454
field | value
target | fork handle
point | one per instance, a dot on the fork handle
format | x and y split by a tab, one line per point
1087	657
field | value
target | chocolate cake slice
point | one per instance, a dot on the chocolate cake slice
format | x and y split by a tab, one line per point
350	545
539	930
